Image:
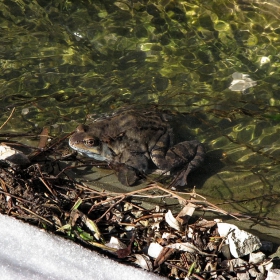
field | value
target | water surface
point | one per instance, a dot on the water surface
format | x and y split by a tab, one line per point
62	60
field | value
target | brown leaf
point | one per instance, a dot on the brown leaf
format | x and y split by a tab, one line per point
75	214
123	253
43	138
185	214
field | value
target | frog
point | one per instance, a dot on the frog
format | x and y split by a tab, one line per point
132	140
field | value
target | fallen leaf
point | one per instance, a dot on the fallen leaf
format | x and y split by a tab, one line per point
144	262
185	213
188	247
169	218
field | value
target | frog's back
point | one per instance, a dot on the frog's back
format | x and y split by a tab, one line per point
136	130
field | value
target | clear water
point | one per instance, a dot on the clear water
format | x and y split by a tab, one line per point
61	60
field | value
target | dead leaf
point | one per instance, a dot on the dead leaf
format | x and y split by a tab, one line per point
169	218
144	262
185	214
123	253
43	138
74	215
116	243
188	247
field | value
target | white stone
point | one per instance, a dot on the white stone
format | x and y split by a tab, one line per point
240	242
256	257
273	274
154	250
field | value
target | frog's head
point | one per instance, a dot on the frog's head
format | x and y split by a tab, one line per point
87	144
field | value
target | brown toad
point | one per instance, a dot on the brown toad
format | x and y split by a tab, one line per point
131	139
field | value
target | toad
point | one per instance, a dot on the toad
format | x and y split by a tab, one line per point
131	139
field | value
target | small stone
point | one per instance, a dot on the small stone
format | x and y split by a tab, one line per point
154	250
273	274
25	111
240	242
256	257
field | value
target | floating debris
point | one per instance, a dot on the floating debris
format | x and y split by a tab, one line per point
264	60
241	82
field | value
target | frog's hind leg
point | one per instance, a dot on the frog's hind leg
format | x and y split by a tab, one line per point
188	153
194	163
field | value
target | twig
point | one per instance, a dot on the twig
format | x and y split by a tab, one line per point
16	197
209	206
79	166
109	209
185	270
8	118
36	215
155	215
53	192
212	207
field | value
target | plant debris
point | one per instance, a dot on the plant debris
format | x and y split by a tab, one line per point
117	224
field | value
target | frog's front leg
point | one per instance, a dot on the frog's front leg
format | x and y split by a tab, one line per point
188	153
130	167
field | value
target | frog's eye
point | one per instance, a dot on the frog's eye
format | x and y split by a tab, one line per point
91	142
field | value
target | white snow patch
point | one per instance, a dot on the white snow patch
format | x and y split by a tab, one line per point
29	253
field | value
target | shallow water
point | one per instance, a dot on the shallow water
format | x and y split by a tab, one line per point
62	60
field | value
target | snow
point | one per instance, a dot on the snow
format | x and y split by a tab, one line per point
29	253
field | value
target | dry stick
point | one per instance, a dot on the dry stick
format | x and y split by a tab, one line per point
185	270
16	197
156	215
109	209
132	194
136	206
214	207
90	189
79	166
199	202
154	186
53	192
192	194
51	146
160	196
36	215
8	118
119	196
152	196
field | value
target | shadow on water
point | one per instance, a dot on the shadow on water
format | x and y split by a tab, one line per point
211	166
